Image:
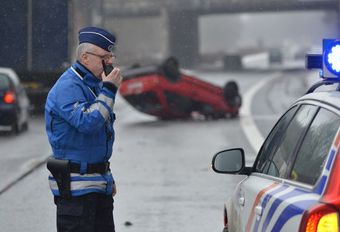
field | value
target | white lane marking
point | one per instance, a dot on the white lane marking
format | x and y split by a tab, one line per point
246	120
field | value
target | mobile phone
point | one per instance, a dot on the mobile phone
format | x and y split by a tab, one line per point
107	68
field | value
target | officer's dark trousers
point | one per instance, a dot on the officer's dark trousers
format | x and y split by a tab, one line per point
89	213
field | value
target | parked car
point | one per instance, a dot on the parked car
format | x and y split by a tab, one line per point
14	103
166	92
294	183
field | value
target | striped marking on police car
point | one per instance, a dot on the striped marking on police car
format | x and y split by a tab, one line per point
266	200
275	215
279	214
257	200
273	202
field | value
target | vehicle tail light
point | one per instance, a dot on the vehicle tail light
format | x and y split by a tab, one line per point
9	97
322	218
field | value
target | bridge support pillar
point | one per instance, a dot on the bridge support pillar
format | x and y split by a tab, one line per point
183	37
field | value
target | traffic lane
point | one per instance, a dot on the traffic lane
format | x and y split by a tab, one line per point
164	180
175	192
246	80
162	171
19	153
170	185
28	205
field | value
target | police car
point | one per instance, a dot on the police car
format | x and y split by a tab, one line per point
294	184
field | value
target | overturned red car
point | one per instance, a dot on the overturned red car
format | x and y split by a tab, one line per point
167	93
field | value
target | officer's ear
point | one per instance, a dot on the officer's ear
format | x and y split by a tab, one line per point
84	58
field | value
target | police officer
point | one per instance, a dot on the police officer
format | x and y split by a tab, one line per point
79	123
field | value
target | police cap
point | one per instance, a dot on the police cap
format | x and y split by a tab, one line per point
98	37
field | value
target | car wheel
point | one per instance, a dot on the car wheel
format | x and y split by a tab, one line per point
231	94
170	69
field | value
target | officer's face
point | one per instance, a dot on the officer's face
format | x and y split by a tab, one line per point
93	60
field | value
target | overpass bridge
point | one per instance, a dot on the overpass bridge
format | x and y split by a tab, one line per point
129	8
183	14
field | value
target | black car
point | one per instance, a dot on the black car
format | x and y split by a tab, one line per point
14	103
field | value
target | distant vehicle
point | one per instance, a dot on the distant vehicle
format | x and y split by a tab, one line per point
166	92
294	182
14	103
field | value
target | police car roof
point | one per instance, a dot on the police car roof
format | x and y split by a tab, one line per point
327	97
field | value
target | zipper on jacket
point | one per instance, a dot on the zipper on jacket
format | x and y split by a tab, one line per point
109	135
107	140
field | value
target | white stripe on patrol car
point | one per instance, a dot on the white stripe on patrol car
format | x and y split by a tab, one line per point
282	203
257	200
275	214
284	212
265	200
269	207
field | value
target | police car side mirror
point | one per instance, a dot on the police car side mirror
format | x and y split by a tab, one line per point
229	161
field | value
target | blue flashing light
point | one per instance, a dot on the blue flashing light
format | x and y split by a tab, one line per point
328	62
331	58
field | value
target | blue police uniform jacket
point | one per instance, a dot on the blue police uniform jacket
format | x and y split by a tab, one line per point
79	124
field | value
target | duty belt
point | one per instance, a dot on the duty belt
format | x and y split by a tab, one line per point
101	168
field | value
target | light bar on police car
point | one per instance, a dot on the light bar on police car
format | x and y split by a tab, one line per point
328	62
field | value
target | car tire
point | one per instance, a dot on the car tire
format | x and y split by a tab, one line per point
170	69
231	94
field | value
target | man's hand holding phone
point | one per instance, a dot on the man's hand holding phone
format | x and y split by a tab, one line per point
114	76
